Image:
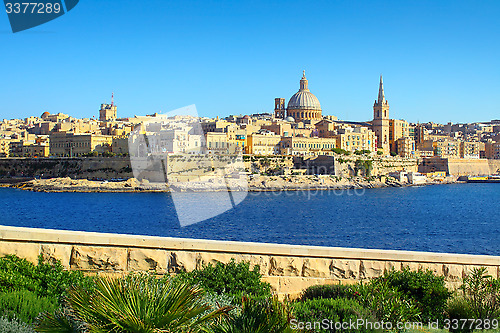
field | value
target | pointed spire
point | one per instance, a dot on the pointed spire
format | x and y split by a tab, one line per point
381	96
303	82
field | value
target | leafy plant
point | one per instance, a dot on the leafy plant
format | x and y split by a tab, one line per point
363	165
386	302
335	311
424	287
233	279
136	303
458	308
14	326
482	294
256	316
328	291
44	279
24	305
341	151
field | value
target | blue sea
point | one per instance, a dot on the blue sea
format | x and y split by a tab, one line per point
459	218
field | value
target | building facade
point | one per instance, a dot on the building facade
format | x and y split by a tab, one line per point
306	146
70	144
356	139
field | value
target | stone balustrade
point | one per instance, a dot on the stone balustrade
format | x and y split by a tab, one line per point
288	268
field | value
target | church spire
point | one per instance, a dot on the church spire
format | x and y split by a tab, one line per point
381	96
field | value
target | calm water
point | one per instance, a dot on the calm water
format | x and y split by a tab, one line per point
449	218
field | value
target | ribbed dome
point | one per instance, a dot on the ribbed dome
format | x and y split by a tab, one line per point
304	99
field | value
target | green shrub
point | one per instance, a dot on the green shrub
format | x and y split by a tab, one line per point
256	316
386	302
13	326
315	311
233	279
482	293
24	305
341	151
424	287
132	304
44	279
459	308
328	291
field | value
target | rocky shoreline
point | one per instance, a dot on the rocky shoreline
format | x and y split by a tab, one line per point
255	184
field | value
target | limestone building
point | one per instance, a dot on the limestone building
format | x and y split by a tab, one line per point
303	105
381	119
356	139
70	144
108	111
307	146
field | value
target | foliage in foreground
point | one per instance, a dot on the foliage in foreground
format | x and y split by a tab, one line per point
426	289
24	305
233	279
482	293
336	310
136	303
14	326
44	279
328	291
256	316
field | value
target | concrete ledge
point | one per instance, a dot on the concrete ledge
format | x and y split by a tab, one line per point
36	235
288	268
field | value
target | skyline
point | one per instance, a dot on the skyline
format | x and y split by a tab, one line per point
439	61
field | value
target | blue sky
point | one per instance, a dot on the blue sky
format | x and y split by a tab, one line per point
440	59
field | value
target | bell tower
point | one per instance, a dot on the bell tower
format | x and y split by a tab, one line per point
279	108
381	119
108	111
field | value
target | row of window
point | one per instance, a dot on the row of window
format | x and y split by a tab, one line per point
314	145
357	143
70	144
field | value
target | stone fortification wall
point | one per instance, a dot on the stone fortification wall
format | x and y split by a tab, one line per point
494	167
288	268
458	167
465	167
81	168
381	166
120	167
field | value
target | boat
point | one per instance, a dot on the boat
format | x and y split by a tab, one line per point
483	179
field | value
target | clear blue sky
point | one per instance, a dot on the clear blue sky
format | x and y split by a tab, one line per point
440	59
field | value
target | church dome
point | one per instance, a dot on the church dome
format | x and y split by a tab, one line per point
304	99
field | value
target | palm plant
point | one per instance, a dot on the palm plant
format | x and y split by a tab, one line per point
256	316
138	303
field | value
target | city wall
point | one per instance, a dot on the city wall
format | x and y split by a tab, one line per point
78	167
288	268
120	167
459	167
494	167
